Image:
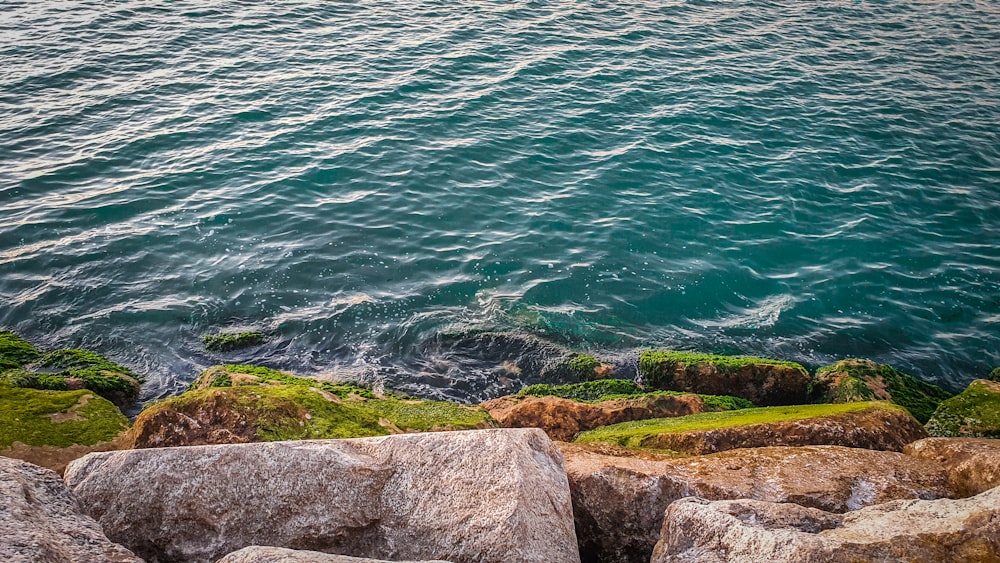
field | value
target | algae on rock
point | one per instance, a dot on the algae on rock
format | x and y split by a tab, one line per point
864	380
974	413
56	418
227	341
608	389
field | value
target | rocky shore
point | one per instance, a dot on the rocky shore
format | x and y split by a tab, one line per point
699	458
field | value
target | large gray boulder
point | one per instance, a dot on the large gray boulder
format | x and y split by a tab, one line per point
618	502
261	554
487	495
957	531
40	520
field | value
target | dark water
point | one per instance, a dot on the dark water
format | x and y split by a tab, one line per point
800	180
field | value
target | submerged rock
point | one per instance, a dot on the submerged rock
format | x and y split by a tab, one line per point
258	554
758	380
974	413
235	404
973	464
563	419
618	502
490	496
227	341
864	380
876	426
40	520
703	531
66	370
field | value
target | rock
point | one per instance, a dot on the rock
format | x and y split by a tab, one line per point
51	428
488	495
618	503
875	426
758	380
864	380
258	554
994	375
975	413
15	351
68	370
238	404
40	520
563	419
229	341
973	464
966	530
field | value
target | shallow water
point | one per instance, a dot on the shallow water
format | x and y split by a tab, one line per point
800	180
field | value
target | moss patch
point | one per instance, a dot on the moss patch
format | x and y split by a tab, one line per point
81	368
973	413
657	367
227	341
994	375
236	375
863	380
608	389
633	434
56	418
15	351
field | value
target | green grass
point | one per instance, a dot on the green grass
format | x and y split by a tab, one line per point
973	413
227	341
657	367
608	389
15	351
24	418
919	397
632	434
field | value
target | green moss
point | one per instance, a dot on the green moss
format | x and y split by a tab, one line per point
235	375
608	389
633	434
34	380
15	351
95	372
227	341
973	413
657	367
580	367
25	416
994	375
857	380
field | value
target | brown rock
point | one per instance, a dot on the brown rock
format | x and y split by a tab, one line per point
618	503
562	419
488	495
55	458
973	464
697	530
874	429
259	554
40	520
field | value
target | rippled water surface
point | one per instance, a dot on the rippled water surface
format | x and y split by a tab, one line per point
802	180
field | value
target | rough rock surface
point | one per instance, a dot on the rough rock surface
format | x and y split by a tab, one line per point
619	502
562	418
874	429
973	464
40	520
974	413
966	530
260	554
488	495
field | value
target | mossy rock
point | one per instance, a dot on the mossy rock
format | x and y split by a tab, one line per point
874	425
87	370
759	380
56	418
855	380
15	351
243	403
994	375
973	413
226	341
608	389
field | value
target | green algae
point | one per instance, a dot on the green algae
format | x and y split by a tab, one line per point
973	413
657	367
233	375
15	351
226	341
854	379
608	389
633	434
32	417
994	375
94	372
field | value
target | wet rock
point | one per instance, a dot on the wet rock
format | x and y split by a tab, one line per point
966	530
618	502
864	380
258	554
974	413
759	380
489	495
563	419
973	464
40	520
875	426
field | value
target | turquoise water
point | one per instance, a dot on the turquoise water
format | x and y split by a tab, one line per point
800	180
